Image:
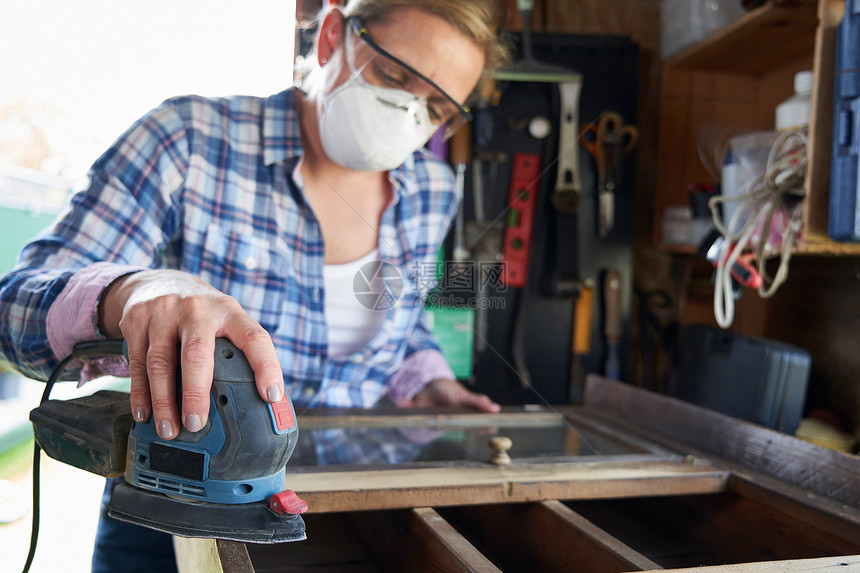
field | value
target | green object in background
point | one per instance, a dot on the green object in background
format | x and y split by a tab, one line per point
454	330
440	263
19	227
30	201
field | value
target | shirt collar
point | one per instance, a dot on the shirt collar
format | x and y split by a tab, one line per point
281	137
404	178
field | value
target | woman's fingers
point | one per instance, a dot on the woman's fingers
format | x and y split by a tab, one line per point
252	339
139	396
197	363
447	392
170	321
480	402
161	364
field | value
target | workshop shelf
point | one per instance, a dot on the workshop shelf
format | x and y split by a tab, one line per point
731	82
747	45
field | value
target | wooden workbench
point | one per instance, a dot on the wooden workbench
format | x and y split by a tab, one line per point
630	481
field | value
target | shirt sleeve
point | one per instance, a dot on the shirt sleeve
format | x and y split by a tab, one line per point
74	316
126	216
418	370
424	363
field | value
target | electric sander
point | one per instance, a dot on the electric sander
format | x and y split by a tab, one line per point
225	481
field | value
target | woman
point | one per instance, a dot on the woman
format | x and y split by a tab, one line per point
248	218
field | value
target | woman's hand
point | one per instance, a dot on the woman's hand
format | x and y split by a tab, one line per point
447	392
159	311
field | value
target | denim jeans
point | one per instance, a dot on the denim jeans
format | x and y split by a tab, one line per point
126	548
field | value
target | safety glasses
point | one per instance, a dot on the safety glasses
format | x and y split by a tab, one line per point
390	71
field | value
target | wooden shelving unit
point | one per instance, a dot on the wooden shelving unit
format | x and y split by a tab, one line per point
731	82
757	42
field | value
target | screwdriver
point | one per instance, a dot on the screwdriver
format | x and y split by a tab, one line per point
460	154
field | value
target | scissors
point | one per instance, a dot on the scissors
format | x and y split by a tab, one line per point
607	140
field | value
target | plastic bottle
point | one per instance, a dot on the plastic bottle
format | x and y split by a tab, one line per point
729	187
794	112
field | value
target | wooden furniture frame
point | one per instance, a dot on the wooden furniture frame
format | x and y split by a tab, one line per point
701	489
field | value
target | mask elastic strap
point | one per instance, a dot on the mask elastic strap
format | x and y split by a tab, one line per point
349	49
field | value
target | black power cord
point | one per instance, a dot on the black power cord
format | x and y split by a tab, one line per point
83	351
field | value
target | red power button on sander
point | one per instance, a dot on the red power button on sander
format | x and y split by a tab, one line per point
225	481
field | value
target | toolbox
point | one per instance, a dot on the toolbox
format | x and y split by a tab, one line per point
755	379
844	224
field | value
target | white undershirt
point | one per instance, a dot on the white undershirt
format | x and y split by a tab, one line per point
351	325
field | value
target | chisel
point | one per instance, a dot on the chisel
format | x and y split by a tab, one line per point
460	154
581	343
612	322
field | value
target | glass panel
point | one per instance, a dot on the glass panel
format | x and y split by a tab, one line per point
457	442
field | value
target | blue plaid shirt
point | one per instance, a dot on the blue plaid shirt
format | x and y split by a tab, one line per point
206	186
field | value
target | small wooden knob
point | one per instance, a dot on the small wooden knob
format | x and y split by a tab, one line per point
500	446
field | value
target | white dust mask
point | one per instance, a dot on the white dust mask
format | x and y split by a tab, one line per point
372	128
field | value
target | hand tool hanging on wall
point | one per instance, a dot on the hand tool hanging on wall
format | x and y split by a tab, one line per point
460	154
612	323
453	326
518	240
484	238
528	68
562	276
568	189
607	140
521	211
581	340
566	195
484	242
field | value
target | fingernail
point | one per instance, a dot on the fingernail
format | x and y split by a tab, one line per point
193	423
275	393
139	414
165	429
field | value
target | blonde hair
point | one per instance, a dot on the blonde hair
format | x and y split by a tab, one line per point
476	19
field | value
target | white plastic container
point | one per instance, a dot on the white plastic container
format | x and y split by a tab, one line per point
677	224
681	228
793	113
747	160
729	187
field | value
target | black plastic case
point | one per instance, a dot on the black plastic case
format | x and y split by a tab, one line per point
755	379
